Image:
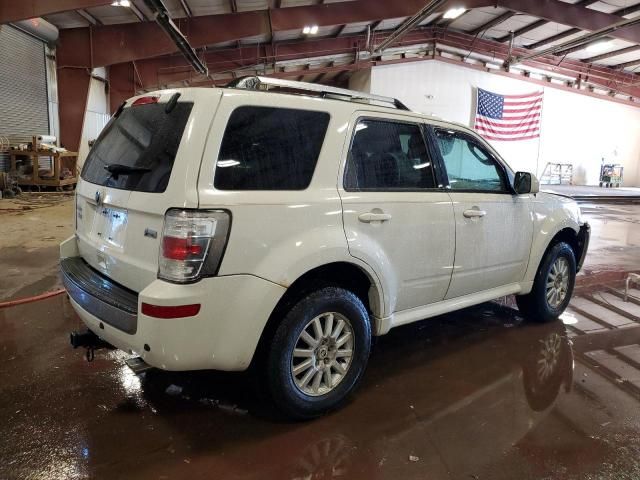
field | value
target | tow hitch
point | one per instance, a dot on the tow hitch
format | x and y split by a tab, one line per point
90	341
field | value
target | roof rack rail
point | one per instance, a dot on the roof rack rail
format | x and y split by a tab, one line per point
257	82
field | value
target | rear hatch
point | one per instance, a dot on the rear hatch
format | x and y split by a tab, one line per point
146	160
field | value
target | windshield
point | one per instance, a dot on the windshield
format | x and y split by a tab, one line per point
137	149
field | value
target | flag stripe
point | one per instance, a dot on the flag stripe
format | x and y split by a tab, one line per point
524	98
521	110
516	133
484	123
489	137
524	95
508	117
524	104
508	120
512	108
522	132
511	131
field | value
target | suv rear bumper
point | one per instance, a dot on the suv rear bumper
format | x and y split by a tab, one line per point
100	296
222	336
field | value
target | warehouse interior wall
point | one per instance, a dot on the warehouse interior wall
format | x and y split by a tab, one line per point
97	114
575	128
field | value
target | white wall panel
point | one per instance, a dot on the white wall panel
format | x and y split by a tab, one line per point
52	92
360	81
576	129
96	116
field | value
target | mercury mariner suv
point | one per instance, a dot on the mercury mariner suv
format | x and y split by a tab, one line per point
280	225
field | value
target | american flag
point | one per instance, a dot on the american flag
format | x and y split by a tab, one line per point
508	117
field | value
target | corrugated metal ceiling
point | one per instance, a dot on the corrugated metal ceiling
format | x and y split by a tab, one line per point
472	20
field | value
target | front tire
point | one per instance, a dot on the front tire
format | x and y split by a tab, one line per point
318	353
552	287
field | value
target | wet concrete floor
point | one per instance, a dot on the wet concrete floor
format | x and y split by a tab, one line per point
478	394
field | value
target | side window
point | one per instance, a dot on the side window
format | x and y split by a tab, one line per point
265	148
388	156
469	166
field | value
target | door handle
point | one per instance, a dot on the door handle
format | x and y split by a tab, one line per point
474	213
374	217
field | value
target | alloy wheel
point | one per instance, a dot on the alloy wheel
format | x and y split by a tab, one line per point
322	354
558	282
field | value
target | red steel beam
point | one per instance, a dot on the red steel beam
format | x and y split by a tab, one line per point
614	53
539	23
345	69
162	71
601	75
567	33
129	42
111	44
14	10
492	23
165	71
573	15
122	84
73	91
542	83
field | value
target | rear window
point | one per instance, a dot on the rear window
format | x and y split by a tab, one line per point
266	148
139	146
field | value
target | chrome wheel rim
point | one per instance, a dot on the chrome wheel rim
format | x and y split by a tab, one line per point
558	282
550	355
322	354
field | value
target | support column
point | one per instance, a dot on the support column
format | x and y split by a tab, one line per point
73	92
122	84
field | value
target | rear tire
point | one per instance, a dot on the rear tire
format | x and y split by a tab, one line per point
552	287
318	353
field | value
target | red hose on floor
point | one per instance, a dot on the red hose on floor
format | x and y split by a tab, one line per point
20	301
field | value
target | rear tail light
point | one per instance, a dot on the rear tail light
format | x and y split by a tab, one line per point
192	244
145	101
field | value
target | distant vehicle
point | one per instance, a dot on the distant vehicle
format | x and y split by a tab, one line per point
223	228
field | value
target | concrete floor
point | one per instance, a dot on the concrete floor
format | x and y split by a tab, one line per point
32	228
586	192
461	396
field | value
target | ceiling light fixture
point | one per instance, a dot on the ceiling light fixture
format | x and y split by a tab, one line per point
599	46
310	29
454	13
121	3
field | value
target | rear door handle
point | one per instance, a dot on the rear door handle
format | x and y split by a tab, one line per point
374	217
474	213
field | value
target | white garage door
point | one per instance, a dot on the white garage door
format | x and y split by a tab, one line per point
23	87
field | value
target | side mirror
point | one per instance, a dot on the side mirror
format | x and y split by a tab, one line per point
525	182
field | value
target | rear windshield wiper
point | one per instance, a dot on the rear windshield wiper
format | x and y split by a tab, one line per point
116	169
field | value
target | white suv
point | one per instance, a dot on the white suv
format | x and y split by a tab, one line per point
225	228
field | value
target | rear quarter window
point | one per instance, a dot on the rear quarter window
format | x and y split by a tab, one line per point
268	148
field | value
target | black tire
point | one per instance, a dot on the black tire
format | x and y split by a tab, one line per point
535	306
287	396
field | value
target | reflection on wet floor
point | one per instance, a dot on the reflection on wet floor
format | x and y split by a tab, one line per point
615	237
478	394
